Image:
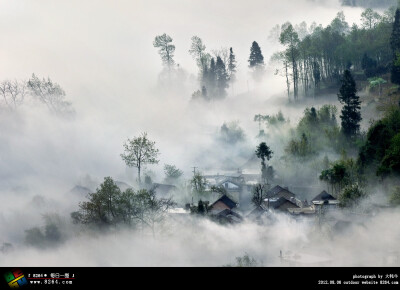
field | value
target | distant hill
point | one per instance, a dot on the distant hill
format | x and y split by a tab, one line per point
369	3
79	191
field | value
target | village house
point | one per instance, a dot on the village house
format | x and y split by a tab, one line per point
281	199
228	216
222	210
324	202
260	214
224	202
280	204
238	184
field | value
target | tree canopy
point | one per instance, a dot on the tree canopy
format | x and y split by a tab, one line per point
140	151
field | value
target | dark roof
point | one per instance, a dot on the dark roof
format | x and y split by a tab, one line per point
258	211
226	200
229	216
283	204
323	196
227	212
279	192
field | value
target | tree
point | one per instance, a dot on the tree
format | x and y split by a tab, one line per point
368	65
336	176
232	65
50	94
299	148
394	198
221	190
350	115
221	78
321	56
209	78
108	206
51	236
172	173
391	161
245	261
259	118
290	38
259	194
197	50
201	209
395	46
150	210
256	59
35	237
198	183
166	49
376	82
281	57
13	93
263	151
102	207
139	151
351	196
370	18
231	133
381	149
339	24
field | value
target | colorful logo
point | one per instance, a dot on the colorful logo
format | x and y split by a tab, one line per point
15	278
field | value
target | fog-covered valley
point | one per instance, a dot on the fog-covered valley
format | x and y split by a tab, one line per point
81	79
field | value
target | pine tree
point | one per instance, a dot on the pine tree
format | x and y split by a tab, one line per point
256	58
395	45
351	115
232	65
210	81
166	49
221	78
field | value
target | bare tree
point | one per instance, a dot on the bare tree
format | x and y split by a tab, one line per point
150	209
259	194
13	93
223	53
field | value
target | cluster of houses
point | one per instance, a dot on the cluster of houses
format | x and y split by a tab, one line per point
277	200
233	203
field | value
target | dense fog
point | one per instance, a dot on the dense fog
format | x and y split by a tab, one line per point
101	53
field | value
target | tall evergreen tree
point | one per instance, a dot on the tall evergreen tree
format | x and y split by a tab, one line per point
210	81
256	58
166	49
395	45
232	65
351	115
221	78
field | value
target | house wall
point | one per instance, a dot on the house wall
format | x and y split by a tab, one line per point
229	185
219	206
